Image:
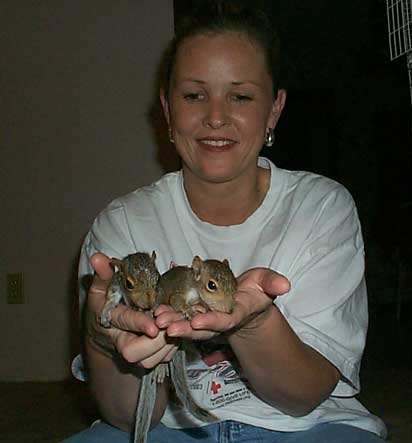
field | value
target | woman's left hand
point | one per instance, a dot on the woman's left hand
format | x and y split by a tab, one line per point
257	288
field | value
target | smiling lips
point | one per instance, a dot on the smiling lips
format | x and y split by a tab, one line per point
216	145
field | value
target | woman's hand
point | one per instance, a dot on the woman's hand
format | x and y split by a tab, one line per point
134	335
257	288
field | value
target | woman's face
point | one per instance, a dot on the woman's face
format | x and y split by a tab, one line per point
220	106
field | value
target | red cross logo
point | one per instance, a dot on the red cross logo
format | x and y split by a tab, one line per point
215	387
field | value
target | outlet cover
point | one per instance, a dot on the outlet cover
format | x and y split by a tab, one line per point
15	289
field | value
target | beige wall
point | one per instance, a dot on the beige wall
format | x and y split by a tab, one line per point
76	91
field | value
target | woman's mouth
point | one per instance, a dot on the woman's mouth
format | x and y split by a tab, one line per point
216	145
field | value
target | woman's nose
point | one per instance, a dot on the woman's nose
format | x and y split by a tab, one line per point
216	114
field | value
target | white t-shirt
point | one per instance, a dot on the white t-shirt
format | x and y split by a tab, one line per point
307	229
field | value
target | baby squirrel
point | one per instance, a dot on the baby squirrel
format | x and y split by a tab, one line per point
206	285
134	283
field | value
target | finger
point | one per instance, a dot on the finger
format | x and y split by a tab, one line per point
217	321
270	282
183	329
179	328
171	353
274	283
165	354
97	294
163	308
103	273
134	348
101	265
166	318
127	319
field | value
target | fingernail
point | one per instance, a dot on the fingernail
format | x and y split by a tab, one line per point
161	324
152	332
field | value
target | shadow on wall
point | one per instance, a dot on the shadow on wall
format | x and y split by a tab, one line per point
73	311
166	153
169	161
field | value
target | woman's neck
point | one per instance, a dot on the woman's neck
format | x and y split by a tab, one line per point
229	203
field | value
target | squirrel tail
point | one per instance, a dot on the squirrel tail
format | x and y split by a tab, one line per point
178	376
145	406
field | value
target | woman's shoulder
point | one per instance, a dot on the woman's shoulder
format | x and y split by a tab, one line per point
312	181
147	195
308	186
113	229
300	179
142	200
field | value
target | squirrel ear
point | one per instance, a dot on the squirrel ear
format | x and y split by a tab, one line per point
153	256
226	262
197	267
117	264
172	265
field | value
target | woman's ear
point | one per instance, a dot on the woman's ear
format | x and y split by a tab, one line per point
165	105
277	108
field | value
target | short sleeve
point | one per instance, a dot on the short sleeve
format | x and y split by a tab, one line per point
109	234
327	304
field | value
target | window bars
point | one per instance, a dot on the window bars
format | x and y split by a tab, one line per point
400	32
399	26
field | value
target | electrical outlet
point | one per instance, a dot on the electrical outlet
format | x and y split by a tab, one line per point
15	289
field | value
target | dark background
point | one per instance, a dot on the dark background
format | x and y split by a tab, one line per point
348	116
74	79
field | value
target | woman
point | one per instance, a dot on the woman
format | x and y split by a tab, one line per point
292	369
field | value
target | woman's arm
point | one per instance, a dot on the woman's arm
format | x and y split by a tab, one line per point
282	370
116	357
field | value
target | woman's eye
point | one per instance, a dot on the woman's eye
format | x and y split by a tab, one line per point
193	96
211	285
241	98
129	284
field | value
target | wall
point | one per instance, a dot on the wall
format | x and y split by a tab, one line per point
76	130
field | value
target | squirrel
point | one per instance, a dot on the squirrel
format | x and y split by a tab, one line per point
134	283
206	285
209	283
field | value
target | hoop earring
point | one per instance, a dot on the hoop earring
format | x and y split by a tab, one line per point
171	139
270	137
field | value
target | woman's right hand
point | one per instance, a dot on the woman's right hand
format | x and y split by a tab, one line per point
133	335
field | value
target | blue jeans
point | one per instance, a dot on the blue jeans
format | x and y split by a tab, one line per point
229	432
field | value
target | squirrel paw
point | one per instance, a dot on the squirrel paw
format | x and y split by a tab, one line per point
161	372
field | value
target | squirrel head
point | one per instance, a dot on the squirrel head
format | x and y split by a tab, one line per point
217	284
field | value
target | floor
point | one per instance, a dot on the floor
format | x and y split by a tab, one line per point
49	412
387	371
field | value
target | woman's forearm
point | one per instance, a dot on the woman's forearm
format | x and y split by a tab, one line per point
115	384
112	354
282	370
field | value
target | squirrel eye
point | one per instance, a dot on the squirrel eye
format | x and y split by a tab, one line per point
129	284
211	285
